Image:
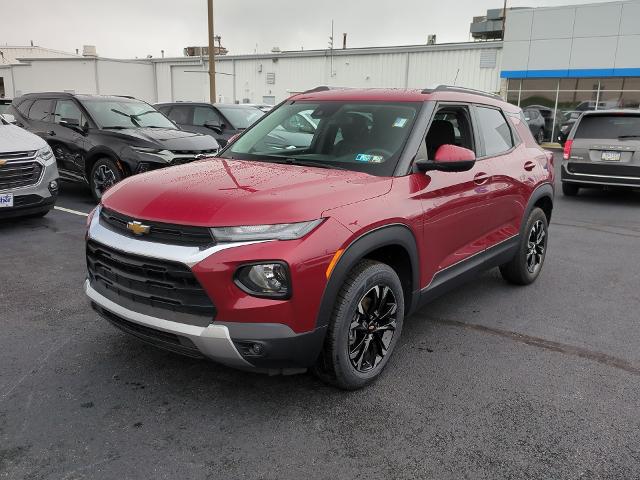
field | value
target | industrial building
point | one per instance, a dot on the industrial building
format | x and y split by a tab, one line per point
558	59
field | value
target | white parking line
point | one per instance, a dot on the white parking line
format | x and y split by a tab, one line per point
75	212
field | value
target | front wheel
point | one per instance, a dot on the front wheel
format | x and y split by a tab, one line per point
526	265
104	175
364	327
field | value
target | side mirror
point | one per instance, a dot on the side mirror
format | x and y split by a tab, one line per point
7	117
449	158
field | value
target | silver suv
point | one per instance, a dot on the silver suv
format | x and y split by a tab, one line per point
602	149
28	173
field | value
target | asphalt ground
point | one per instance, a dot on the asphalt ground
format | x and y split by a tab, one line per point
488	382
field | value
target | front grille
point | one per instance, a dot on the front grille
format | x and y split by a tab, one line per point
605	169
16	174
165	340
160	232
147	282
25	200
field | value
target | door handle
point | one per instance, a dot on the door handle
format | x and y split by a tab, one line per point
481	178
529	165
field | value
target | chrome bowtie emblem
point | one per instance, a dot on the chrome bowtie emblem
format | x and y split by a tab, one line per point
138	228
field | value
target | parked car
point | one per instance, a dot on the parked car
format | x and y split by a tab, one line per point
568	119
547	114
602	149
536	123
221	121
99	140
28	174
261	106
281	260
4	105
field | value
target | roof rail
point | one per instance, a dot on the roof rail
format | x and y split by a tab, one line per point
453	88
325	88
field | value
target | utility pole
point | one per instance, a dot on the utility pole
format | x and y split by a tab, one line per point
212	59
504	18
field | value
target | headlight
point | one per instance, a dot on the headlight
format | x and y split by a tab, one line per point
270	280
283	231
165	155
45	154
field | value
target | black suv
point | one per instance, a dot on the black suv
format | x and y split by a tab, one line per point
221	121
99	139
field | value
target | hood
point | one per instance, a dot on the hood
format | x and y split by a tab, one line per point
16	139
169	138
220	192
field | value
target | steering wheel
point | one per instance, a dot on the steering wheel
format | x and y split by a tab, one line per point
385	153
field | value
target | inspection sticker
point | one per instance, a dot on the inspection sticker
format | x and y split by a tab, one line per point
363	157
400	122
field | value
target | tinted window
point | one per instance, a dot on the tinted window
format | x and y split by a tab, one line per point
204	115
67	111
23	108
495	131
41	110
182	115
608	126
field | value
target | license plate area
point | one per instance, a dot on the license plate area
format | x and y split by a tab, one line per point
608	156
6	200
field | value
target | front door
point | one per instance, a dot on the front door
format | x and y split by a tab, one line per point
456	204
66	140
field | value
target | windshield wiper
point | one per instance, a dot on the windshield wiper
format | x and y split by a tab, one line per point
130	117
628	136
297	161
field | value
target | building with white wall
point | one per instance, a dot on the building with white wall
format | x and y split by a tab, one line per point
263	78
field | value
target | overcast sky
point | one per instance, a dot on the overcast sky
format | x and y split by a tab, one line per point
136	28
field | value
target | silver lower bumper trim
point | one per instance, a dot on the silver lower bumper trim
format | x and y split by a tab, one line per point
212	341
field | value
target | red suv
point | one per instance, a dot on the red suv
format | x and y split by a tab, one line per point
306	247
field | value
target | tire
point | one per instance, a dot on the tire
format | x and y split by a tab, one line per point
526	265
351	358
104	175
570	189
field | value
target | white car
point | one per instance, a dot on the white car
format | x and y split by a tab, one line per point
28	173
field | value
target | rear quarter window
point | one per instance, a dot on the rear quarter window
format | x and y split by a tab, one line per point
608	126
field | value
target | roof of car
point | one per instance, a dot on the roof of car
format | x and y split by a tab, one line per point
439	93
225	105
619	111
79	96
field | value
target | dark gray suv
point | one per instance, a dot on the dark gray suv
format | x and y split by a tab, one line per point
602	149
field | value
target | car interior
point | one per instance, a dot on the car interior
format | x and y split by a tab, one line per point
451	126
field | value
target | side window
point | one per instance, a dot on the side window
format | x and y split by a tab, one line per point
24	107
206	115
41	110
68	112
181	115
495	131
451	125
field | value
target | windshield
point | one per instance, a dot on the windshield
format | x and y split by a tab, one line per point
240	117
126	114
367	137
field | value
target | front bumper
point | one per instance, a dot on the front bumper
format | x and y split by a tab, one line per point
232	344
615	179
33	199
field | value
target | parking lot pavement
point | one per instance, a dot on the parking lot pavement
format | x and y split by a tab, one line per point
488	382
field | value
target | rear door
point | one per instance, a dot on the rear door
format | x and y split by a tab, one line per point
514	170
606	144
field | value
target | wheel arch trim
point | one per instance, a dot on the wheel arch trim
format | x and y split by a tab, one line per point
396	234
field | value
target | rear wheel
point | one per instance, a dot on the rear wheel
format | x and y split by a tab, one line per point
526	265
364	327
570	189
104	175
